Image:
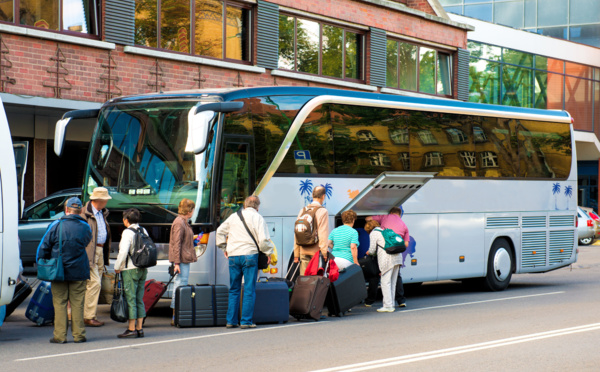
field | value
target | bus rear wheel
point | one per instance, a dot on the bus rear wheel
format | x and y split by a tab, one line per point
500	266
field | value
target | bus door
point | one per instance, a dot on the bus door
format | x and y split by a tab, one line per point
392	189
20	148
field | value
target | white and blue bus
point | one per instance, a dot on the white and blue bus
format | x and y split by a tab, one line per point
9	214
487	191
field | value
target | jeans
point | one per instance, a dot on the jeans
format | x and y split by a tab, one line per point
133	283
181	279
246	266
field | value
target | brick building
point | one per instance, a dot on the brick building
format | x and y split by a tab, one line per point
59	55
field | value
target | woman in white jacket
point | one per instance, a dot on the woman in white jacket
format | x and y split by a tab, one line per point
134	278
389	265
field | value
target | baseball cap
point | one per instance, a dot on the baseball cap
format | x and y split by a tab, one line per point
74	202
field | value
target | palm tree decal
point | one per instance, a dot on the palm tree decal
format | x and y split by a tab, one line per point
306	187
555	191
328	190
568	193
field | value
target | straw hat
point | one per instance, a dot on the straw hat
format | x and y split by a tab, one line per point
100	193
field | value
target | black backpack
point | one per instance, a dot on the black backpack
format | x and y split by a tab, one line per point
143	254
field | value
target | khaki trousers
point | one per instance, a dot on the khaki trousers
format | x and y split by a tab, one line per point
304	260
93	285
62	294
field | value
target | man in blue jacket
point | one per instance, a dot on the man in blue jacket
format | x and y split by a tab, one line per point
76	234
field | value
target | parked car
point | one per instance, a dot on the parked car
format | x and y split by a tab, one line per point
37	217
585	227
594	216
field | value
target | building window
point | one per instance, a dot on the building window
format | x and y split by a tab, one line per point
321	49
399	136
380	160
479	135
489	159
78	16
366	136
468	159
427	137
417	68
457	136
404	158
219	29
434	159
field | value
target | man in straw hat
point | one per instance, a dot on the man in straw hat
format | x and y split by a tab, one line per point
95	213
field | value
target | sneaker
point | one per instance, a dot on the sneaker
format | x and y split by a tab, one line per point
386	310
55	341
231	326
368	304
402	304
244	326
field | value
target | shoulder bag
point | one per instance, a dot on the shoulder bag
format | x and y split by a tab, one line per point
51	269
263	260
118	309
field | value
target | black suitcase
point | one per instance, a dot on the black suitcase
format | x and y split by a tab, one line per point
272	303
308	297
201	306
348	291
22	291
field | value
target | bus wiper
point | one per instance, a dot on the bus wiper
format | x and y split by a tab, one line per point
157	205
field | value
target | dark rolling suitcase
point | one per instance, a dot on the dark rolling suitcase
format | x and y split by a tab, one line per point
22	291
41	309
348	291
308	297
272	302
201	306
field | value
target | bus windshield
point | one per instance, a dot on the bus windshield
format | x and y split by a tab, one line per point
142	154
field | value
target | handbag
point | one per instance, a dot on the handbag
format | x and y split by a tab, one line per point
369	266
118	309
51	269
263	260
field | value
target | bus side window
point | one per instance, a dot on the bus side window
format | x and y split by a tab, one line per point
235	185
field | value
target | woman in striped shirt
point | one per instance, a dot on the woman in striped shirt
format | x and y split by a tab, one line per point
344	241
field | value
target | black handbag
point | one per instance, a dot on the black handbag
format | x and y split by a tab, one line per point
369	266
263	259
118	309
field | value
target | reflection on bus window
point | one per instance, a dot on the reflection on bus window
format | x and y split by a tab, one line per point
235	187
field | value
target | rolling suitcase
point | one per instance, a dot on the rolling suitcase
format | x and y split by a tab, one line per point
201	306
272	303
308	297
153	291
348	291
22	291
40	309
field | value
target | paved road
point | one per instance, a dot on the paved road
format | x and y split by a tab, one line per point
546	322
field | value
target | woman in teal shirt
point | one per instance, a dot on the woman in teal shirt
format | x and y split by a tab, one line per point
344	241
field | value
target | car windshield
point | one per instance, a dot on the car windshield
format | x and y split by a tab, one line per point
142	153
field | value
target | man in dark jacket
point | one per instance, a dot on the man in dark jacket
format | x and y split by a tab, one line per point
76	234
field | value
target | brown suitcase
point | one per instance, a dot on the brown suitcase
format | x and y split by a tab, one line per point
308	297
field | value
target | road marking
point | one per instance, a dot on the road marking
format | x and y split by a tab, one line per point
482	302
461	349
166	341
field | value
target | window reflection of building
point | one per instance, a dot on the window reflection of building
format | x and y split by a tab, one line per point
434	159
380	160
404	158
457	136
399	136
489	159
427	137
479	135
366	136
469	159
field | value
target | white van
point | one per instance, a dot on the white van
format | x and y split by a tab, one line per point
9	214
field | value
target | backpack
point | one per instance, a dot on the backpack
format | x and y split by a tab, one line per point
394	243
143	252
305	228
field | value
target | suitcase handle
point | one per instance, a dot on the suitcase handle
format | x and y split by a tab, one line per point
262	277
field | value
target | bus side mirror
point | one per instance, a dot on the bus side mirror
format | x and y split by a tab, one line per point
60	130
199	129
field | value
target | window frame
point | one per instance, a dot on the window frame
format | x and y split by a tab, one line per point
469	159
192	47
96	23
435	68
433	155
361	35
487	156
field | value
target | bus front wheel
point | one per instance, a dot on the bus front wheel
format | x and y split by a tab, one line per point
500	266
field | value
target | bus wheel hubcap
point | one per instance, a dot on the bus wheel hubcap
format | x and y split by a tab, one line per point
502	264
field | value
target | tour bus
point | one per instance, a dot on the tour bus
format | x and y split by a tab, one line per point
486	191
9	215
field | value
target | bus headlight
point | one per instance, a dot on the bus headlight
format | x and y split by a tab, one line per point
200	250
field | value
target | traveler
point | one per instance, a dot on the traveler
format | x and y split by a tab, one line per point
389	264
181	247
241	249
344	241
134	278
317	218
394	221
76	234
95	214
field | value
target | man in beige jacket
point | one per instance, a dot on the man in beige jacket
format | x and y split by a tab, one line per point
304	253
98	249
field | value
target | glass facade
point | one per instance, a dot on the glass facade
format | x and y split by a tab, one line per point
575	20
504	76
